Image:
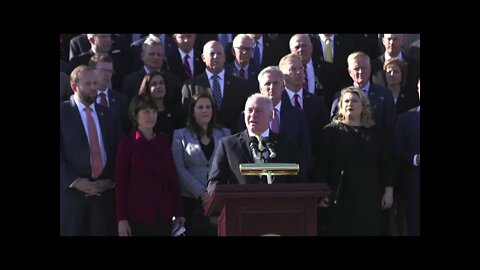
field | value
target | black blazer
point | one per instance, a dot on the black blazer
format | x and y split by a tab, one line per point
234	150
294	125
175	63
235	95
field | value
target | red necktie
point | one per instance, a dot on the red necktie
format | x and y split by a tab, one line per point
305	83
95	154
103	99
297	104
242	73
186	67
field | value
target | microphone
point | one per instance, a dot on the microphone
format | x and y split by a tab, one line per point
254	146
271	150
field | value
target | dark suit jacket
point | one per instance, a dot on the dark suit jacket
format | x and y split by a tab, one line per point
80	44
75	156
327	83
65	89
175	63
342	47
118	102
316	113
293	124
133	81
119	65
406	145
64	67
234	150
271	53
235	95
413	71
252	80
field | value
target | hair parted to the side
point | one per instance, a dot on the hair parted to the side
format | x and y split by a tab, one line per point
192	124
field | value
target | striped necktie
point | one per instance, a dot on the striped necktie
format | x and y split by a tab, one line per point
217	92
186	67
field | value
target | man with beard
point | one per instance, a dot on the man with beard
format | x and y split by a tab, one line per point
89	133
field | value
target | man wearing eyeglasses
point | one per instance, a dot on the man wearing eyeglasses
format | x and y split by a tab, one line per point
242	50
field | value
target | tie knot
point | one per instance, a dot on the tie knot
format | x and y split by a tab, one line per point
88	109
215	77
260	145
102	95
186	57
327	41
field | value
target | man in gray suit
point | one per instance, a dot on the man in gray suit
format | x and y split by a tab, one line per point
89	133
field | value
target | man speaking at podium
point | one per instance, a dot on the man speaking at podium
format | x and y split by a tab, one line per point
255	144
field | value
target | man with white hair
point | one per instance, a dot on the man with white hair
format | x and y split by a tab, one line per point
237	149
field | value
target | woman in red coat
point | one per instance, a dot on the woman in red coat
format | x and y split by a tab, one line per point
147	191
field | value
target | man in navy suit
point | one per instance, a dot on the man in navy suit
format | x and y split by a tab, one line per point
381	98
313	106
407	150
86	195
236	149
242	50
233	90
176	58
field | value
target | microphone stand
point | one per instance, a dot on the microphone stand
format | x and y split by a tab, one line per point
338	187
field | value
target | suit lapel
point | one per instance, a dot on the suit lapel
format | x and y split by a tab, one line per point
75	115
245	148
192	138
102	123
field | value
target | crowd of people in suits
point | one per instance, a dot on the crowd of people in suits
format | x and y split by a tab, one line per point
149	124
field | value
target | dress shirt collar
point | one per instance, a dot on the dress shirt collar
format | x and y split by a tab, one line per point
238	67
388	57
81	107
221	75
292	93
264	134
323	38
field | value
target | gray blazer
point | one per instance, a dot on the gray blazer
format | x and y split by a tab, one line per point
192	165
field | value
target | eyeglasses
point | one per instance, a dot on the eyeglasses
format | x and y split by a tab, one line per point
244	49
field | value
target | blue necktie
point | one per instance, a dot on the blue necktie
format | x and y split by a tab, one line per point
217	92
256	56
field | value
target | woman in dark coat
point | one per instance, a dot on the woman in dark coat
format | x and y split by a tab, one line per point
357	165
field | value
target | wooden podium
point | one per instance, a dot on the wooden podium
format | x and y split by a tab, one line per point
260	209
